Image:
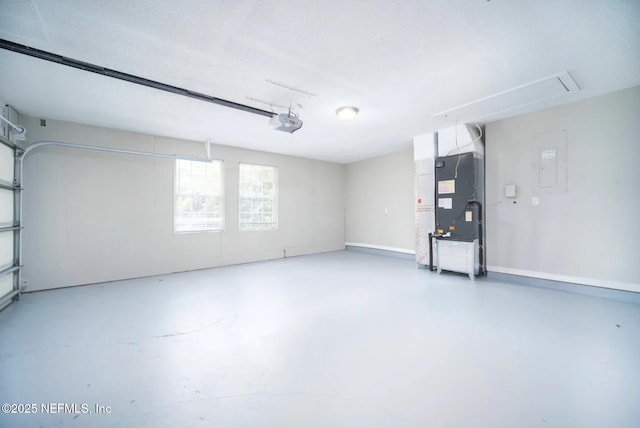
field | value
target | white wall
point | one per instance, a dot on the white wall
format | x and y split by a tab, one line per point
379	202
587	232
424	197
93	216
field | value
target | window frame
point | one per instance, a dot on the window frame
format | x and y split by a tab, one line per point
222	199
274	203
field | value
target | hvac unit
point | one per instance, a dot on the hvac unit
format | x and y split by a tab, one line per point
459	212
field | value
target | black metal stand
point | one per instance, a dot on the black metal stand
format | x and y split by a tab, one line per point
431	251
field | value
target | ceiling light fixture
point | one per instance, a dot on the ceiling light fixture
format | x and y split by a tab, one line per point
347	113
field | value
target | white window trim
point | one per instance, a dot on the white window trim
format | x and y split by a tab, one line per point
276	196
222	203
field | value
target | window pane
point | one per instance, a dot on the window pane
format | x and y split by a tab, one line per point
199	199
258	197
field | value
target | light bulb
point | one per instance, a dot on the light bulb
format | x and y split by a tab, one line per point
347	113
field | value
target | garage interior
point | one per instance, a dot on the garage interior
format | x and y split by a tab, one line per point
340	214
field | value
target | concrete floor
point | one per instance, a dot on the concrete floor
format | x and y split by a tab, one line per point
341	339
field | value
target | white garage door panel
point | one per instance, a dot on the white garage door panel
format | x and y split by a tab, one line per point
6	284
6	249
7	237
6	207
6	164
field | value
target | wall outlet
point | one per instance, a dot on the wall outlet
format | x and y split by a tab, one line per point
535	201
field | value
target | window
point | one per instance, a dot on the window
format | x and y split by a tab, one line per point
199	196
258	197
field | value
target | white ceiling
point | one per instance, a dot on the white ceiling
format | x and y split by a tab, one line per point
400	62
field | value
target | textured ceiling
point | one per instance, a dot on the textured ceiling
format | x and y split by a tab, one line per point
400	62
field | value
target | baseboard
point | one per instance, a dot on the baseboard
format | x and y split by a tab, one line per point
603	283
381	250
573	286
